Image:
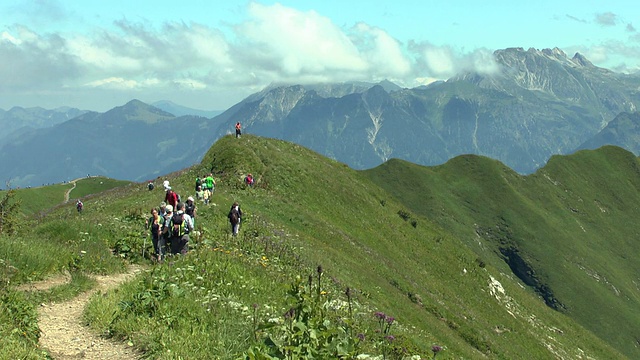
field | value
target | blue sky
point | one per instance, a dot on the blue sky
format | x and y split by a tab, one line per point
95	54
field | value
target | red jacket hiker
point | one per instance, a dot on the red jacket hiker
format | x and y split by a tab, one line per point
171	198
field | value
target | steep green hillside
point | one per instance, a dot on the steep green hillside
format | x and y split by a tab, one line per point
568	231
327	264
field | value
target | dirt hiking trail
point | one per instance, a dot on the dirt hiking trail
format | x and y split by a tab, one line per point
64	335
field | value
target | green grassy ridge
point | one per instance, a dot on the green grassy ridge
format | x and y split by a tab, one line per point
325	214
571	222
38	199
306	190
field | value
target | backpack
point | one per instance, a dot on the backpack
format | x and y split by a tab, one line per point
233	216
188	209
177	220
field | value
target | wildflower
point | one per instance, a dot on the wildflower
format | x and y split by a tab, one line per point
436	349
390	338
290	313
360	336
380	315
390	320
319	269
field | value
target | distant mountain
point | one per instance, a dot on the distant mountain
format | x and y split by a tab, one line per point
538	104
622	131
179	110
131	142
18	120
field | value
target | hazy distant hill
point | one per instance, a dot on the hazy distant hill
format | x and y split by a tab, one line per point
179	110
18	120
622	131
132	142
538	104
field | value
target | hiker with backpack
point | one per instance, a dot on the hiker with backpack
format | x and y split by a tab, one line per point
79	205
235	216
180	226
165	234
249	180
198	182
171	197
155	224
190	209
209	187
210	182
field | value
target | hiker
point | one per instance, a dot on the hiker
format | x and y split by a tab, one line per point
238	130
206	196
165	233
171	197
79	205
181	226
199	194
154	224
210	182
198	182
249	180
235	216
209	187
150	185
190	209
162	210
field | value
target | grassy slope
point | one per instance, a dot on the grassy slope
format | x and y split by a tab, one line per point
33	200
572	222
307	210
340	220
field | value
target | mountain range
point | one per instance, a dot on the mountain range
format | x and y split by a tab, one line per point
538	104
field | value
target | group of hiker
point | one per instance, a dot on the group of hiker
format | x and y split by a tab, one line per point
171	224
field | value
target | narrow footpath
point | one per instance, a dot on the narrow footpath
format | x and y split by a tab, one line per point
64	335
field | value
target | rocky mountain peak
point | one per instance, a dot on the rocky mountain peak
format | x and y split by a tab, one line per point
579	59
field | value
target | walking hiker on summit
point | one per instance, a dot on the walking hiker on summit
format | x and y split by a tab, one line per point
238	130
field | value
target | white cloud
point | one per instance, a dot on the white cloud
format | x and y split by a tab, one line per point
443	62
118	83
288	42
274	44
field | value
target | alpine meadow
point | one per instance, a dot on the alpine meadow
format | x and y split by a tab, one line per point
466	260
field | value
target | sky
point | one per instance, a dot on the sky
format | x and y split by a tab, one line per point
209	55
